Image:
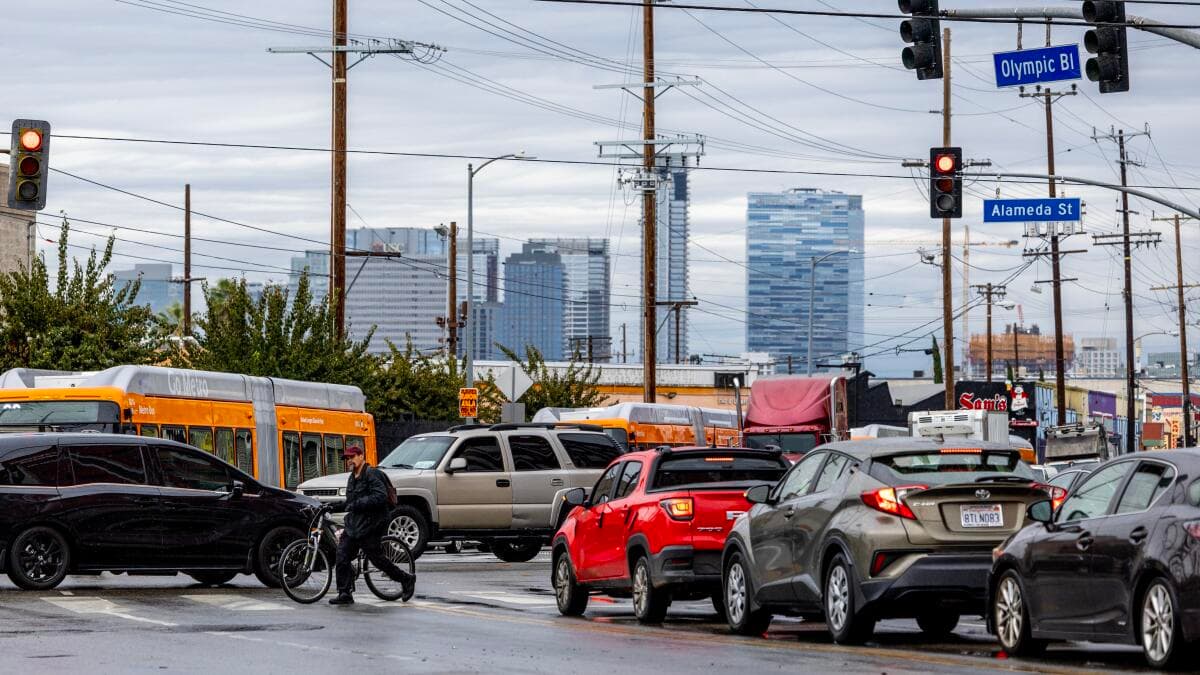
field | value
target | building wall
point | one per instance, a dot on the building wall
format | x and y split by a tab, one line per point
533	304
402	300
587	287
785	231
16	230
671	254
157	289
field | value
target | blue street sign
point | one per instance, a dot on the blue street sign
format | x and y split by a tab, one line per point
1031	210
1030	66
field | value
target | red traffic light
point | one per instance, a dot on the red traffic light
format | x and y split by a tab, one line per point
945	163
31	140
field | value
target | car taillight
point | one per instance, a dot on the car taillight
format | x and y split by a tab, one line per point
679	509
1193	528
891	500
1058	495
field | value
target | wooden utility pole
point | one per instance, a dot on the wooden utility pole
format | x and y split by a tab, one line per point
1186	402
337	213
649	214
990	292
452	293
187	259
624	354
947	285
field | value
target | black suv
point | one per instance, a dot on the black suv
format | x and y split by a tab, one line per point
90	502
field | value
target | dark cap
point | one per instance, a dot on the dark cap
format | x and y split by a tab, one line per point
351	451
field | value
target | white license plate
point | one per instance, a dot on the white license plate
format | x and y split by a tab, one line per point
986	515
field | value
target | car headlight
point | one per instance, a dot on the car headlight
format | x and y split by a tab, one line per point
341	492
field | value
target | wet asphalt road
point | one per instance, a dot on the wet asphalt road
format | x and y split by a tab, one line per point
472	613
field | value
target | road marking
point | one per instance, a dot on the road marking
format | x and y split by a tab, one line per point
94	605
67	592
307	647
510	598
237	603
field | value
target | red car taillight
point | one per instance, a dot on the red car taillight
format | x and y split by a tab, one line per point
1058	495
680	508
891	500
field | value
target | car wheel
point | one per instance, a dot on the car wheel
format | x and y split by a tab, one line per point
937	624
411	526
270	548
212	578
649	603
1161	629
738	591
517	551
570	596
1011	616
39	559
847	623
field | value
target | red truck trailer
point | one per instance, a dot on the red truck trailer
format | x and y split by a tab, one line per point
796	413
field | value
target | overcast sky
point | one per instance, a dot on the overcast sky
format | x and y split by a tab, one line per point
775	99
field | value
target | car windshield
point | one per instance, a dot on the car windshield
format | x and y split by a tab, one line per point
418	452
794	443
700	468
940	467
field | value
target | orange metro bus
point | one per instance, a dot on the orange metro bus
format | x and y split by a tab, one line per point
282	432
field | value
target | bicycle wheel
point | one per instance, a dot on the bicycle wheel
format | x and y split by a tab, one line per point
304	572
383	586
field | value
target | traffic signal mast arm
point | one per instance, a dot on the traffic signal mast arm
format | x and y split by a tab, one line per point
1187	37
1194	213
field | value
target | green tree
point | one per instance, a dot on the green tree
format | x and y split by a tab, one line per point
426	386
573	388
275	336
170	320
87	322
937	363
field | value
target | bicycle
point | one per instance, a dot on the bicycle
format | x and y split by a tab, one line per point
306	572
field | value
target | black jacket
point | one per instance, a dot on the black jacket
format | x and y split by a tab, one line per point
366	503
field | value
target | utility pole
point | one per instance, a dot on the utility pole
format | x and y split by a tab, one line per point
677	307
1060	375
624	354
990	291
187	260
947	285
1186	403
1127	242
649	214
452	291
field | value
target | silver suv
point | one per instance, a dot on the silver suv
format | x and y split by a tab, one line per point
497	484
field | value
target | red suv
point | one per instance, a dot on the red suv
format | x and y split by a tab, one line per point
654	526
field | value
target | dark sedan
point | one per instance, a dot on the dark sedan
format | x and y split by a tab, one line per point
1118	561
89	503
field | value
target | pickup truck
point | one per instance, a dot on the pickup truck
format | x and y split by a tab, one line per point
497	484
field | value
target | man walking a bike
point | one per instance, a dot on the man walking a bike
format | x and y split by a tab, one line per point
367	505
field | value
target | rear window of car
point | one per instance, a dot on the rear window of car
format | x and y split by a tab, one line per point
590	451
709	468
949	466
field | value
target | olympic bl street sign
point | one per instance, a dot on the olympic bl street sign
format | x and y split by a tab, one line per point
1031	66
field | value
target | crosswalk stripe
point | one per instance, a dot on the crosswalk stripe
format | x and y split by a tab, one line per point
237	603
94	605
510	598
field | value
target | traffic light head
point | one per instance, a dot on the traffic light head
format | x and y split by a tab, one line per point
1110	66
28	165
922	32
945	182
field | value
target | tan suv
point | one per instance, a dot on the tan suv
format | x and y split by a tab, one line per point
497	484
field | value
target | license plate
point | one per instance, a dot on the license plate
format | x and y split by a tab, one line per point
986	515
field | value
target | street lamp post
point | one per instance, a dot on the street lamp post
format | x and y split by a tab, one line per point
469	343
812	294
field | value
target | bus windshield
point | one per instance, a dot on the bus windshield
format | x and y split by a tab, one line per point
59	416
419	452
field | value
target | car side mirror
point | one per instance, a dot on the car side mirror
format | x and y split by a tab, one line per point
575	497
759	494
237	489
1041	511
457	464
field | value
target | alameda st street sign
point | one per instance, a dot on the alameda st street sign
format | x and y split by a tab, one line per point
1031	210
1030	66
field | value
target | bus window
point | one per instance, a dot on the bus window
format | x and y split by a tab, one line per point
178	434
310	456
150	430
333	454
291	459
245	451
224	444
201	437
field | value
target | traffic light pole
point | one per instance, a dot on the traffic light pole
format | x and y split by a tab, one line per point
947	285
1186	398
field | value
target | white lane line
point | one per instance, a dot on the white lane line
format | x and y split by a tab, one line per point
237	603
94	605
67	592
505	596
307	647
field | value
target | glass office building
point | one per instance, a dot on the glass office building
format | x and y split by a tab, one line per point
587	286
785	232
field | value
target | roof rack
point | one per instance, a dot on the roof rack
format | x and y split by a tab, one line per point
511	426
466	427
